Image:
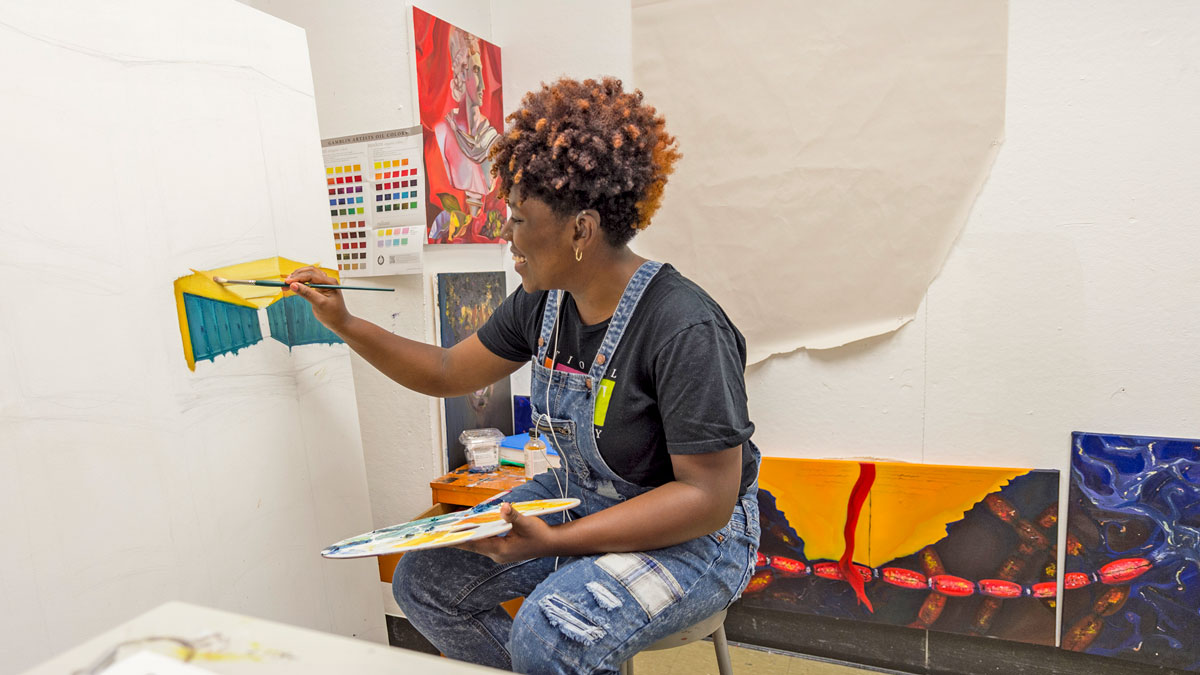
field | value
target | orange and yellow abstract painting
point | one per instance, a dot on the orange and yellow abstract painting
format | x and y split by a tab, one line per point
953	548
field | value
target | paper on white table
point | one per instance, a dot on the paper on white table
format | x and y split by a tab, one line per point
150	663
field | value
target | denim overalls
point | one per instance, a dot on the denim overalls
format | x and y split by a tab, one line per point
584	614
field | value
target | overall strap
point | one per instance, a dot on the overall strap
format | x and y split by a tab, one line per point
620	318
549	318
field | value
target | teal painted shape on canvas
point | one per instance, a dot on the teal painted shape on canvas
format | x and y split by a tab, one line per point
218	327
292	322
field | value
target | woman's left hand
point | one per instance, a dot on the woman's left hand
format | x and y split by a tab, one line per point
530	537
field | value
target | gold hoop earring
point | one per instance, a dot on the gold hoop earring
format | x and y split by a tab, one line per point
578	255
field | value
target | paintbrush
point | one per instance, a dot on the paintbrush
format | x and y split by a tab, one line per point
284	284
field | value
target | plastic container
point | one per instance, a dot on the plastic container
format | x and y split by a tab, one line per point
483	449
536	460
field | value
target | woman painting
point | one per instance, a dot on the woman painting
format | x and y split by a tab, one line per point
637	382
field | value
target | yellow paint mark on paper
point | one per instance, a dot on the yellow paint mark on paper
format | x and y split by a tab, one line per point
256	654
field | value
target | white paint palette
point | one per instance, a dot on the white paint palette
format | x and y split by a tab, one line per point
439	531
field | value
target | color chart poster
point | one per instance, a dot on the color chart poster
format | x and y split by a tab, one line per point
376	201
462	115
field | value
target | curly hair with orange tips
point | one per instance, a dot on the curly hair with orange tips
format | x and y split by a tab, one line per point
588	145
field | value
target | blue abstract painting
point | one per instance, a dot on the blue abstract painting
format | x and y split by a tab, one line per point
1132	571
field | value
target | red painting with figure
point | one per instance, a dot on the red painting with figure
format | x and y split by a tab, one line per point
462	116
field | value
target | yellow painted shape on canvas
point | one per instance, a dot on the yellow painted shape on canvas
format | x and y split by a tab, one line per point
456	225
909	506
813	494
200	283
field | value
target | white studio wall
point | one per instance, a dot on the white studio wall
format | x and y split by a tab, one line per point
148	138
1069	301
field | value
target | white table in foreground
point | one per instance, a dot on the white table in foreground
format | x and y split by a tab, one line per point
232	644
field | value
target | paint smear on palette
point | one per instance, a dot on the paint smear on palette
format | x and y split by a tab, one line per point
439	531
536	507
439	539
411	541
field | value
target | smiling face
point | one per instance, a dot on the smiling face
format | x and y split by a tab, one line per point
540	242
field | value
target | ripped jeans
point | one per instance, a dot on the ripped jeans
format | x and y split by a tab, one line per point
588	616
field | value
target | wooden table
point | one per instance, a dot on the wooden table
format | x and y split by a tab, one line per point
462	488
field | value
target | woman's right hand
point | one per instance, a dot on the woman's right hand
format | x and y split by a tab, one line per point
327	304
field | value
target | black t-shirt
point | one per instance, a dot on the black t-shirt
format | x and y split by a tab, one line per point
675	385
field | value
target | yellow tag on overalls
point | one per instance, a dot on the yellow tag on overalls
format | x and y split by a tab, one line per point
602	398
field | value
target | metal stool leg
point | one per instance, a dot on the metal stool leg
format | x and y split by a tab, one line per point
721	647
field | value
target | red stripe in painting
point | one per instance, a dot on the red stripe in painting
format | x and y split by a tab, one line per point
858	497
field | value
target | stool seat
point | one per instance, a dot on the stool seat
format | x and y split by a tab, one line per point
691	634
713	625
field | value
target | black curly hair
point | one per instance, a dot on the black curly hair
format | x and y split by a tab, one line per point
588	145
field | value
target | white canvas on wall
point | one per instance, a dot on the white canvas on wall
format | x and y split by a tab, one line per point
145	139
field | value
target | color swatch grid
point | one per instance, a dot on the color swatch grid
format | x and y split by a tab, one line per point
350	240
396	236
345	189
396	185
397	248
